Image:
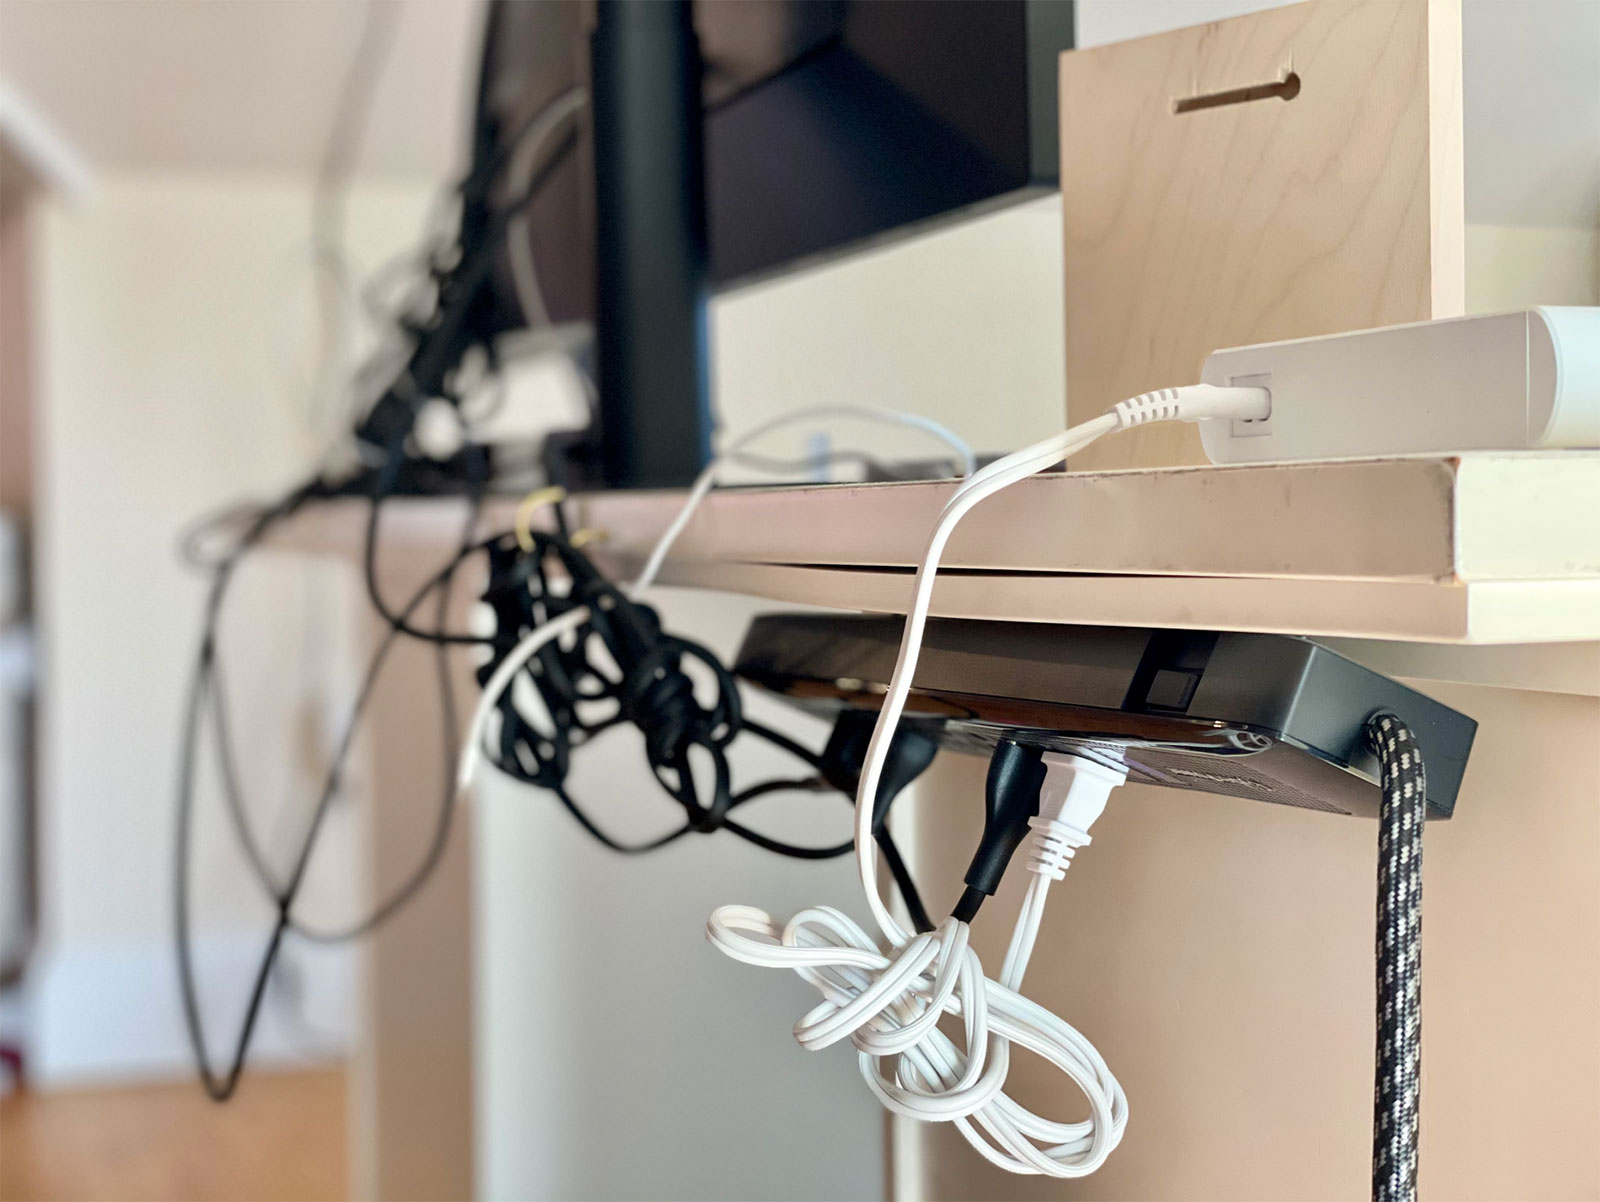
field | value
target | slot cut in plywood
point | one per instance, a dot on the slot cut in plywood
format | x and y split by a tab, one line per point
1288	173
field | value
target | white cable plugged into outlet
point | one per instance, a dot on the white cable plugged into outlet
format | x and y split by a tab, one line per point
888	998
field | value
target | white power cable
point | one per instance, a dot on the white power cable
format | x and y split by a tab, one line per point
519	238
888	1000
811	414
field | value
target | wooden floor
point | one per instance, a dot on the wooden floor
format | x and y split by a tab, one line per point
281	1137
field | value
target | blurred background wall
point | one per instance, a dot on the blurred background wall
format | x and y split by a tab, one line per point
174	347
164	395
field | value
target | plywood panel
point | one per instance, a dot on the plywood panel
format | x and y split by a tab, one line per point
1505	611
1268	218
1473	517
411	1074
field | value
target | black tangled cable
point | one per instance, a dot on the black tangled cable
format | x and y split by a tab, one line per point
621	667
1397	1091
642	682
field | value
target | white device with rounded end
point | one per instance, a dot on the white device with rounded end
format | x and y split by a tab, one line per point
1507	382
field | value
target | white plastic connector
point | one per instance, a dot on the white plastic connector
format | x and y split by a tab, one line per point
1195	403
1072	797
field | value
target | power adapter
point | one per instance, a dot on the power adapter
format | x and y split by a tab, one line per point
1510	382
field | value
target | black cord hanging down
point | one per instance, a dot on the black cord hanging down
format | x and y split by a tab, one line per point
205	698
642	681
439	341
1397	1093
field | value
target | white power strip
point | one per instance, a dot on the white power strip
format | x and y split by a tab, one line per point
1509	382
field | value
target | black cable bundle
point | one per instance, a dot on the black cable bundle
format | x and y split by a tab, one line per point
1398	1089
641	681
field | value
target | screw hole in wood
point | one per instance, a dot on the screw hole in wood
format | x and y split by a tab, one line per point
1286	88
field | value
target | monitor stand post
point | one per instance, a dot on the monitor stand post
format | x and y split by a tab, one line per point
650	224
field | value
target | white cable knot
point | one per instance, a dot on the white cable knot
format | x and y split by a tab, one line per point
884	1006
890	1006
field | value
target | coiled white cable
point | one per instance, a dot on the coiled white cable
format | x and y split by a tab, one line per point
888	1000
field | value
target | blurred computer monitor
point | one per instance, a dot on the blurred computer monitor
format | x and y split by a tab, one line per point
828	125
820	127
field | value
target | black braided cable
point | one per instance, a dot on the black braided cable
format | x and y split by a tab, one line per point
1398	1088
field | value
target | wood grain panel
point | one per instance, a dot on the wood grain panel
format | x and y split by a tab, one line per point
1265	219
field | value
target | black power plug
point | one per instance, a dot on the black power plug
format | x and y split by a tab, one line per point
1011	797
910	752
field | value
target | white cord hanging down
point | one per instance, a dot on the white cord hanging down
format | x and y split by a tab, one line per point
500	681
887	1000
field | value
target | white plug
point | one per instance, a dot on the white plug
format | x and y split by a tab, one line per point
1073	796
1195	403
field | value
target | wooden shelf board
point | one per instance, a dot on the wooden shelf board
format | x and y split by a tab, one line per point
1484	516
1436	612
1263	548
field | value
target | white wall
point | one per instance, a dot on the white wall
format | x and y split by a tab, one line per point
962	324
173	314
1517	267
248	85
